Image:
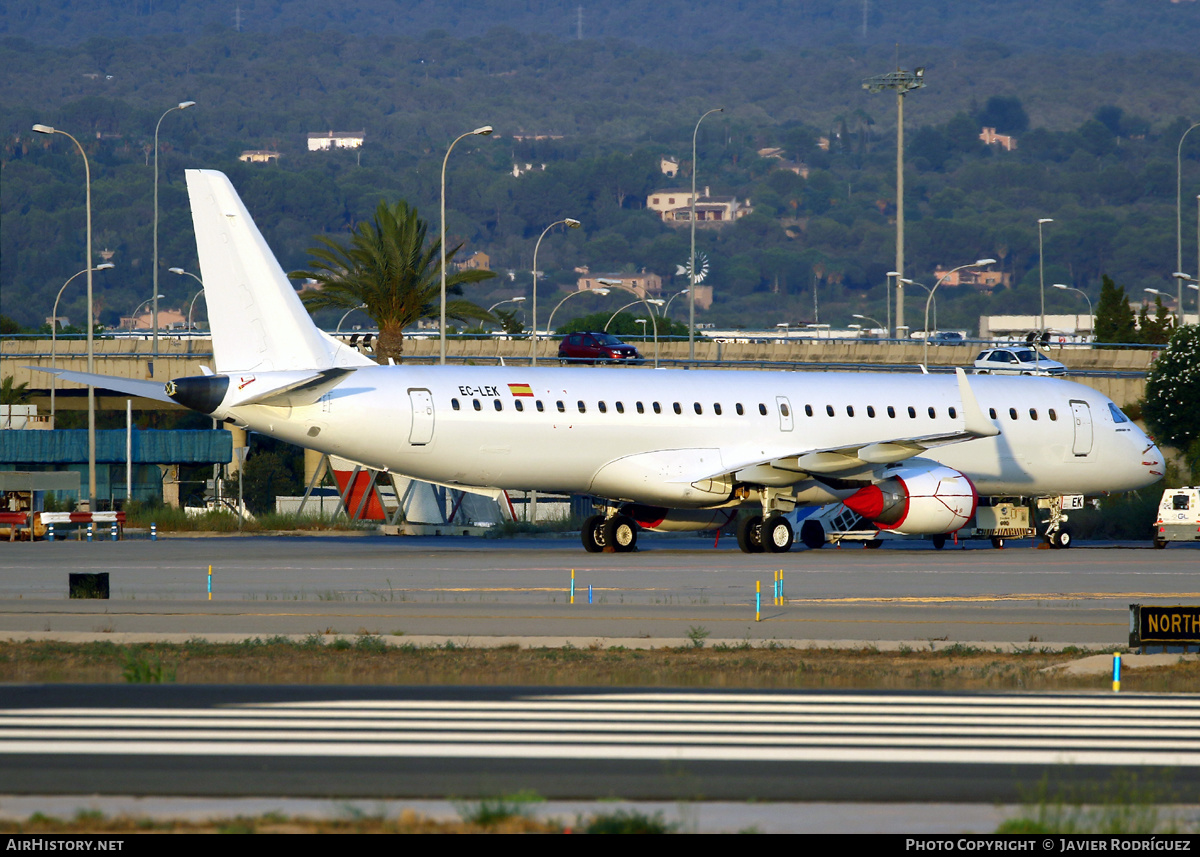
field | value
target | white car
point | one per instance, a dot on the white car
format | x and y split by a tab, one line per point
1018	360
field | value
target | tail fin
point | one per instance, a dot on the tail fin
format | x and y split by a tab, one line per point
257	320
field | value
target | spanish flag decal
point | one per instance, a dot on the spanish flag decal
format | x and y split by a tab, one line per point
520	390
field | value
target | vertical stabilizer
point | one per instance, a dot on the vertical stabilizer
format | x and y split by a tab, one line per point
257	320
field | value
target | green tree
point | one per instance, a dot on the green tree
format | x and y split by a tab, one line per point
394	272
13	394
1172	408
1114	316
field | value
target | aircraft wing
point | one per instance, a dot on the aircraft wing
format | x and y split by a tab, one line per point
130	386
843	459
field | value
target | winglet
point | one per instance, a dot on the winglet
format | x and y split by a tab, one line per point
974	422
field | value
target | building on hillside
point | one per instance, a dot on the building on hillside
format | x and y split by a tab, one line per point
674	206
645	284
669	166
1004	141
475	260
774	153
983	281
168	319
259	156
324	141
519	170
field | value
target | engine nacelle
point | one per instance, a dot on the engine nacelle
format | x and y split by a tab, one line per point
663	520
917	501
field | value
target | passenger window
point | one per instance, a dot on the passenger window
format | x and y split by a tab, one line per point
475	402
519	405
891	412
849	410
676	408
829	410
454	404
785	410
603	407
499	404
912	412
740	410
697	408
953	413
640	408
871	411
1053	415
562	409
620	408
932	412
539	406
582	406
717	408
808	410
992	413
1033	413
1012	413
657	408
762	409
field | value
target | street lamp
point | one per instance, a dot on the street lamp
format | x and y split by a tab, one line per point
654	301
667	308
481	132
692	263
977	264
103	266
91	353
183	105
550	323
1041	273
1178	216
343	318
902	82
181	272
133	318
1091	315
878	325
570	223
928	291
617	284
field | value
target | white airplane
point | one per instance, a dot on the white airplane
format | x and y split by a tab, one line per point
661	449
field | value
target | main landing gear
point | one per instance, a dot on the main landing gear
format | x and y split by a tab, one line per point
773	535
602	531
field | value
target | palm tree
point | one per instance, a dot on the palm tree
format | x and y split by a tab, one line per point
392	272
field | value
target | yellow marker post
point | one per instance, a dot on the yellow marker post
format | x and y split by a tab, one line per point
572	586
210	583
1116	672
758	601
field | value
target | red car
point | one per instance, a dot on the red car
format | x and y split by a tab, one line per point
596	348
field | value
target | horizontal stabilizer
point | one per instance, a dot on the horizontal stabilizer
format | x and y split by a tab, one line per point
129	386
283	389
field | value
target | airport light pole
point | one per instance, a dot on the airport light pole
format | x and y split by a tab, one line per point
878	324
91	352
133	318
653	301
976	264
570	223
338	329
928	290
550	323
1042	274
667	308
191	304
183	105
482	131
1179	216
1091	315
902	82
692	262
103	266
617	284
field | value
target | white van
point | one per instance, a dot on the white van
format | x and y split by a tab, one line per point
1178	517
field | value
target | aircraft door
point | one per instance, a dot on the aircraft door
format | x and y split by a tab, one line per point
1081	415
421	431
785	413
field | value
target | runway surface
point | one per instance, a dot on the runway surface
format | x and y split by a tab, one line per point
582	743
476	589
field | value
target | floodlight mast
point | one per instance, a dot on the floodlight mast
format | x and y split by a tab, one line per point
902	82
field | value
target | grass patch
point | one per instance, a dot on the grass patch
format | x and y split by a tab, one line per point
1127	803
369	659
169	520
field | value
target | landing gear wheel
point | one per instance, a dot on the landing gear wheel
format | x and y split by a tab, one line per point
997	542
812	534
939	541
749	534
776	535
621	532
592	534
1062	539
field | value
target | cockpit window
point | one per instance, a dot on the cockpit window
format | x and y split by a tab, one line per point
1117	416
